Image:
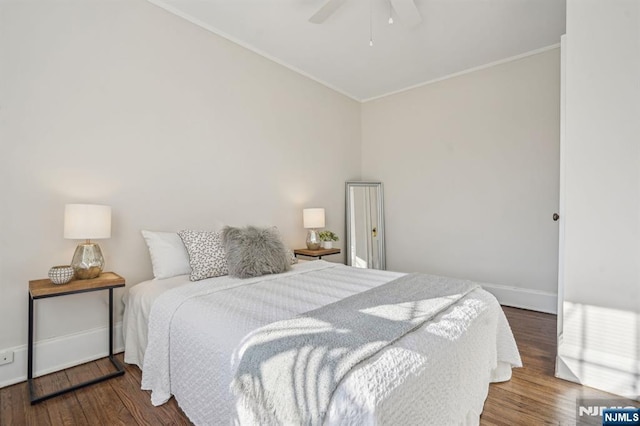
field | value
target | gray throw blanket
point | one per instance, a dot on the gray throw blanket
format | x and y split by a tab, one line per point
288	370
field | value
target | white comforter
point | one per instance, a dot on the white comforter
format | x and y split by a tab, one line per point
436	375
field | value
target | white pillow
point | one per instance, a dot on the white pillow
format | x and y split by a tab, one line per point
168	254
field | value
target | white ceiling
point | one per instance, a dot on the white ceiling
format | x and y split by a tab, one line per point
454	35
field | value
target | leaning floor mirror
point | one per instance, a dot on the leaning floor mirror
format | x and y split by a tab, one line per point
365	225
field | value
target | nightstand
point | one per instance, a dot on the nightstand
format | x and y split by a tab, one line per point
316	253
41	289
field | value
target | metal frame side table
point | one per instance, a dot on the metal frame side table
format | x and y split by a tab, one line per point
316	253
41	289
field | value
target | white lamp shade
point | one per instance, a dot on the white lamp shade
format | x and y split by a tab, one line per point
313	218
87	221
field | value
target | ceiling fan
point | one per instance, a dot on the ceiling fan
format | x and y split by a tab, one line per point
405	9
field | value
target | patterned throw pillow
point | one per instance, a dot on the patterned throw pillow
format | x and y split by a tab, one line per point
292	257
252	251
206	254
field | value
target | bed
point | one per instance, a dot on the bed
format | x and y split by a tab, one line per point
186	337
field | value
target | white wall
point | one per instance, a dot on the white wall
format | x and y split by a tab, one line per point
600	341
122	103
470	172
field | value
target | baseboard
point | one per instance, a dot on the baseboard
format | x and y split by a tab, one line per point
60	352
534	300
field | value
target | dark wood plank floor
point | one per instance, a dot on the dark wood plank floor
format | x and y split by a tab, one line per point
532	397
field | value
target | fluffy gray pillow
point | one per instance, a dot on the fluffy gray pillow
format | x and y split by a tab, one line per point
253	251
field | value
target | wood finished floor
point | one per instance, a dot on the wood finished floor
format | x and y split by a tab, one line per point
532	397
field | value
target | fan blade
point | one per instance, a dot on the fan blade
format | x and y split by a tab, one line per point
407	12
325	11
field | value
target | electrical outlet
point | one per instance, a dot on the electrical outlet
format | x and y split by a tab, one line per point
6	357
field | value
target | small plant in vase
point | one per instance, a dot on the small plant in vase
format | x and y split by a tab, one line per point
327	238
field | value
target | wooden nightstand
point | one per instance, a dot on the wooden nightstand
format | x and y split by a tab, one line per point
41	289
316	253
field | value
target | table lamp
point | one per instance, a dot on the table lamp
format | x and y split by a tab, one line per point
313	219
87	222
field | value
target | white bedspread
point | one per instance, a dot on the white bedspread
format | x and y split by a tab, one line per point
138	301
436	375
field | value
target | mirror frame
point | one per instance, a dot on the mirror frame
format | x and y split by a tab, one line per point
381	229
